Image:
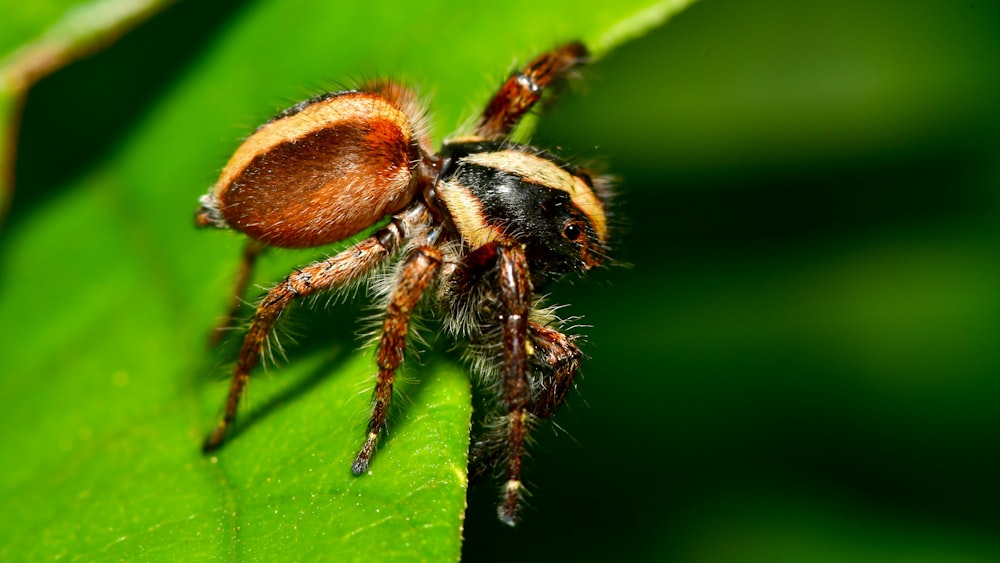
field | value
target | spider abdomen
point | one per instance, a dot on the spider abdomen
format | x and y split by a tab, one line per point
318	173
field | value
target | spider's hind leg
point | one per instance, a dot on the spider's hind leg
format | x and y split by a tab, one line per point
248	261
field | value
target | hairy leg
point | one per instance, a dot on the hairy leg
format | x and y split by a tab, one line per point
417	273
515	298
331	273
520	92
552	368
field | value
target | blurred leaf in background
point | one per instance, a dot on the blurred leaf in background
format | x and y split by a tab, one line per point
41	37
107	292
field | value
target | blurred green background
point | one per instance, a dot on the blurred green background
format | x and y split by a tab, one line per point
796	358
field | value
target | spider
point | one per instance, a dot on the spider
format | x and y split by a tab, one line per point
476	229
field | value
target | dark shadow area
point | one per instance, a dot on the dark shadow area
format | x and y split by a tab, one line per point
310	329
286	398
318	328
787	209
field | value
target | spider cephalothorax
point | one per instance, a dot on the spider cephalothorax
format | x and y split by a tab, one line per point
477	227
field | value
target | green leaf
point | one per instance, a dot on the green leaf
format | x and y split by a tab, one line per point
111	292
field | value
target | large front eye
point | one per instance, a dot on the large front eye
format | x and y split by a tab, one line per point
572	231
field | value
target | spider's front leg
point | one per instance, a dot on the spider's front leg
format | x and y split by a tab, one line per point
417	273
331	273
520	92
552	367
515	299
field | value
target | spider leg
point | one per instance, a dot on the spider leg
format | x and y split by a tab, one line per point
555	362
520	92
417	273
331	273
515	298
251	251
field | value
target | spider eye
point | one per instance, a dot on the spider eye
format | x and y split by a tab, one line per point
573	232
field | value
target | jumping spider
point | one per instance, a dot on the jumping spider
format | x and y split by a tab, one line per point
480	226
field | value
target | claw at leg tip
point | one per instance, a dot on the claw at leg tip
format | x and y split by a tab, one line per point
360	466
213	441
506	516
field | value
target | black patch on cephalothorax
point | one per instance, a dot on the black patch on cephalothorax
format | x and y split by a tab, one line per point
530	213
